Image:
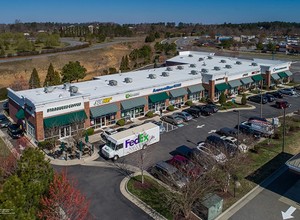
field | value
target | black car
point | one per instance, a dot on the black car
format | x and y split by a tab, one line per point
269	97
220	143
14	131
213	107
194	112
227	132
276	94
258	99
187	152
203	109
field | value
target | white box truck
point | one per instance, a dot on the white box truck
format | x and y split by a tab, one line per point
130	140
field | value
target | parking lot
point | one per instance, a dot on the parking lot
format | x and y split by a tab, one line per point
192	132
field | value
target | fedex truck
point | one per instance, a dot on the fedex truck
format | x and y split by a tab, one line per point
130	140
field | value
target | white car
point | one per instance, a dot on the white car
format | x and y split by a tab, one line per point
233	141
107	132
213	152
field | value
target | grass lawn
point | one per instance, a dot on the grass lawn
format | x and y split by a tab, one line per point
150	193
231	105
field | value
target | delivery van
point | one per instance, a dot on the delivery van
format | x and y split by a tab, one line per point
130	140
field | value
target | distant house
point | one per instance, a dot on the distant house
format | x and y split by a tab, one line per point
91	28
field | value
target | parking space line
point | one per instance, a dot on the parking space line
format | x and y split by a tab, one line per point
202	116
194	120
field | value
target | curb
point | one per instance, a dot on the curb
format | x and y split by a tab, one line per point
139	203
251	194
238	109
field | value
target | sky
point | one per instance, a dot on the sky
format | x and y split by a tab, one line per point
149	11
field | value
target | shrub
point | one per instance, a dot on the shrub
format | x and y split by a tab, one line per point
3	93
244	100
203	99
277	135
121	122
292	128
89	131
189	103
170	108
150	114
47	144
222	99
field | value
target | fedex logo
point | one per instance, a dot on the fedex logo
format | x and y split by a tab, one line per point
140	139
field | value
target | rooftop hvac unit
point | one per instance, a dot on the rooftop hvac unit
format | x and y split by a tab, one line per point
192	65
228	66
112	82
66	86
180	67
223	61
217	68
194	72
49	89
152	76
190	55
128	80
165	74
169	68
204	70
73	89
238	62
200	59
209	57
254	64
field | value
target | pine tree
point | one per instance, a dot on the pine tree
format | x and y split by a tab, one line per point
222	99
122	65
56	79
34	81
73	71
126	63
50	76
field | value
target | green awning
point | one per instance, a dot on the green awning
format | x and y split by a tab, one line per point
275	76
288	73
235	83
196	88
103	110
65	119
282	75
132	103
257	78
222	87
158	97
178	92
20	114
247	80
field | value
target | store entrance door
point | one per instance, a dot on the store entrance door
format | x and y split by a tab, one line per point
65	131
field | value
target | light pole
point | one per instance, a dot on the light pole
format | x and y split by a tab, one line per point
238	128
261	86
283	130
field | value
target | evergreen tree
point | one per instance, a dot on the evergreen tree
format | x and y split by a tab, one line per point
127	62
50	76
34	81
244	100
122	65
56	78
73	71
222	99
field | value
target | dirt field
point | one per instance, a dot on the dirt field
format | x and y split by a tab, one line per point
94	61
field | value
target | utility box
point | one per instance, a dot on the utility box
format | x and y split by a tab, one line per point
210	207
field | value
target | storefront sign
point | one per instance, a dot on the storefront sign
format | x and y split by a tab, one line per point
54	109
129	95
220	79
255	72
102	101
246	74
167	87
279	68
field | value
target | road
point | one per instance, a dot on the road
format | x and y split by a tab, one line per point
102	187
93	47
278	197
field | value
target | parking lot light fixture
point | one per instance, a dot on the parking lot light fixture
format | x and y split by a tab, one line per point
283	132
238	127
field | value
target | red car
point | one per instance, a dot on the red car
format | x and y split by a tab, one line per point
183	164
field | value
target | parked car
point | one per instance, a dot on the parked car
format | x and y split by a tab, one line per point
172	119
15	131
186	166
227	131
184	115
282	104
212	152
269	97
288	91
5	106
257	118
107	132
276	94
214	107
258	99
221	144
185	151
159	123
169	174
194	112
203	109
233	141
297	87
4	121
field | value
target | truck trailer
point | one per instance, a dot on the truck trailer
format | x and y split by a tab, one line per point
131	140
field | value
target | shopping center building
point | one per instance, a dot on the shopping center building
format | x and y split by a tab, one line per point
60	111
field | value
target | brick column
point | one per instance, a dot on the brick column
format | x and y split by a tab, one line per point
267	77
118	115
13	109
87	122
39	126
211	89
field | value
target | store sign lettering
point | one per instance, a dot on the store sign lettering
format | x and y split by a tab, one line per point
102	101
246	74
220	79
140	139
167	87
129	95
280	68
63	107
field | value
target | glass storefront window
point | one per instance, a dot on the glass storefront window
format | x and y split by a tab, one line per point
177	102
194	96
134	112
104	120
